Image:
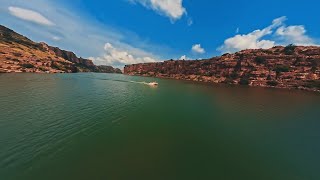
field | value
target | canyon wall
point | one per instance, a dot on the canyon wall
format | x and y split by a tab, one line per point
281	67
20	54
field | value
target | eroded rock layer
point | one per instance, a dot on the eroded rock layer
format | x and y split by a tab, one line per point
282	67
20	54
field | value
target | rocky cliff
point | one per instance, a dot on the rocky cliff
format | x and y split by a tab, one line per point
105	69
281	67
20	54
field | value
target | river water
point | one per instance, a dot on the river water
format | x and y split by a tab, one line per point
106	126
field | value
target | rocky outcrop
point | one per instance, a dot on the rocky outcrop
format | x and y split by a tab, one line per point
83	65
281	67
70	56
106	69
20	54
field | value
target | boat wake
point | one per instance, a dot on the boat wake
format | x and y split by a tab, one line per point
152	84
137	82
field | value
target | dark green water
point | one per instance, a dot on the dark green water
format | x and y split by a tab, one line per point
101	126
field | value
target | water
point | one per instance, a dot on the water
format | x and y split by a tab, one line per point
104	126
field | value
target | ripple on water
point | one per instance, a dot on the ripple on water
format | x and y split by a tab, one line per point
115	121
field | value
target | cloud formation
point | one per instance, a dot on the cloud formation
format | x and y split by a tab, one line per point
171	8
72	32
30	15
190	21
198	49
237	30
56	38
278	32
120	57
184	57
294	34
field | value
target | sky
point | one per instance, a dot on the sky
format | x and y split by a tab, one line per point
120	32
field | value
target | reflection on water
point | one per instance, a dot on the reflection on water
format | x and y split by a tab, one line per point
104	126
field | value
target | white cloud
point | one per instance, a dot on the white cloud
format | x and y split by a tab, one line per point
190	21
278	21
198	49
119	57
171	8
56	38
85	37
30	15
247	41
279	35
237	30
252	40
184	57
294	35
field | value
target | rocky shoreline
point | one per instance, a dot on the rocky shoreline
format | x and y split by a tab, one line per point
232	84
291	67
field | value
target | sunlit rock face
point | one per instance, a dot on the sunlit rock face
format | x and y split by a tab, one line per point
281	67
20	54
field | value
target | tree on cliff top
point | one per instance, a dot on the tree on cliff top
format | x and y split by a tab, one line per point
289	50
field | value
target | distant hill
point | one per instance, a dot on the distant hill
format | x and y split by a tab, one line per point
20	54
282	67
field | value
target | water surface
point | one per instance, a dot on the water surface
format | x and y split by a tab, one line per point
105	126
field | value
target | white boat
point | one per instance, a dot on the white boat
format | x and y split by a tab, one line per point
153	84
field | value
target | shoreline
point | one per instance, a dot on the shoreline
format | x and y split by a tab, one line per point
20	72
301	88
290	67
236	85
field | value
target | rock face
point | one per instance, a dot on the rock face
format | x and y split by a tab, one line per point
106	69
20	54
281	67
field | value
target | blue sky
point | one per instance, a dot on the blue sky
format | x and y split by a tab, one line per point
118	32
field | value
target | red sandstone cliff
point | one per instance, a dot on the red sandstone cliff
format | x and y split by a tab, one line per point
282	67
20	54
